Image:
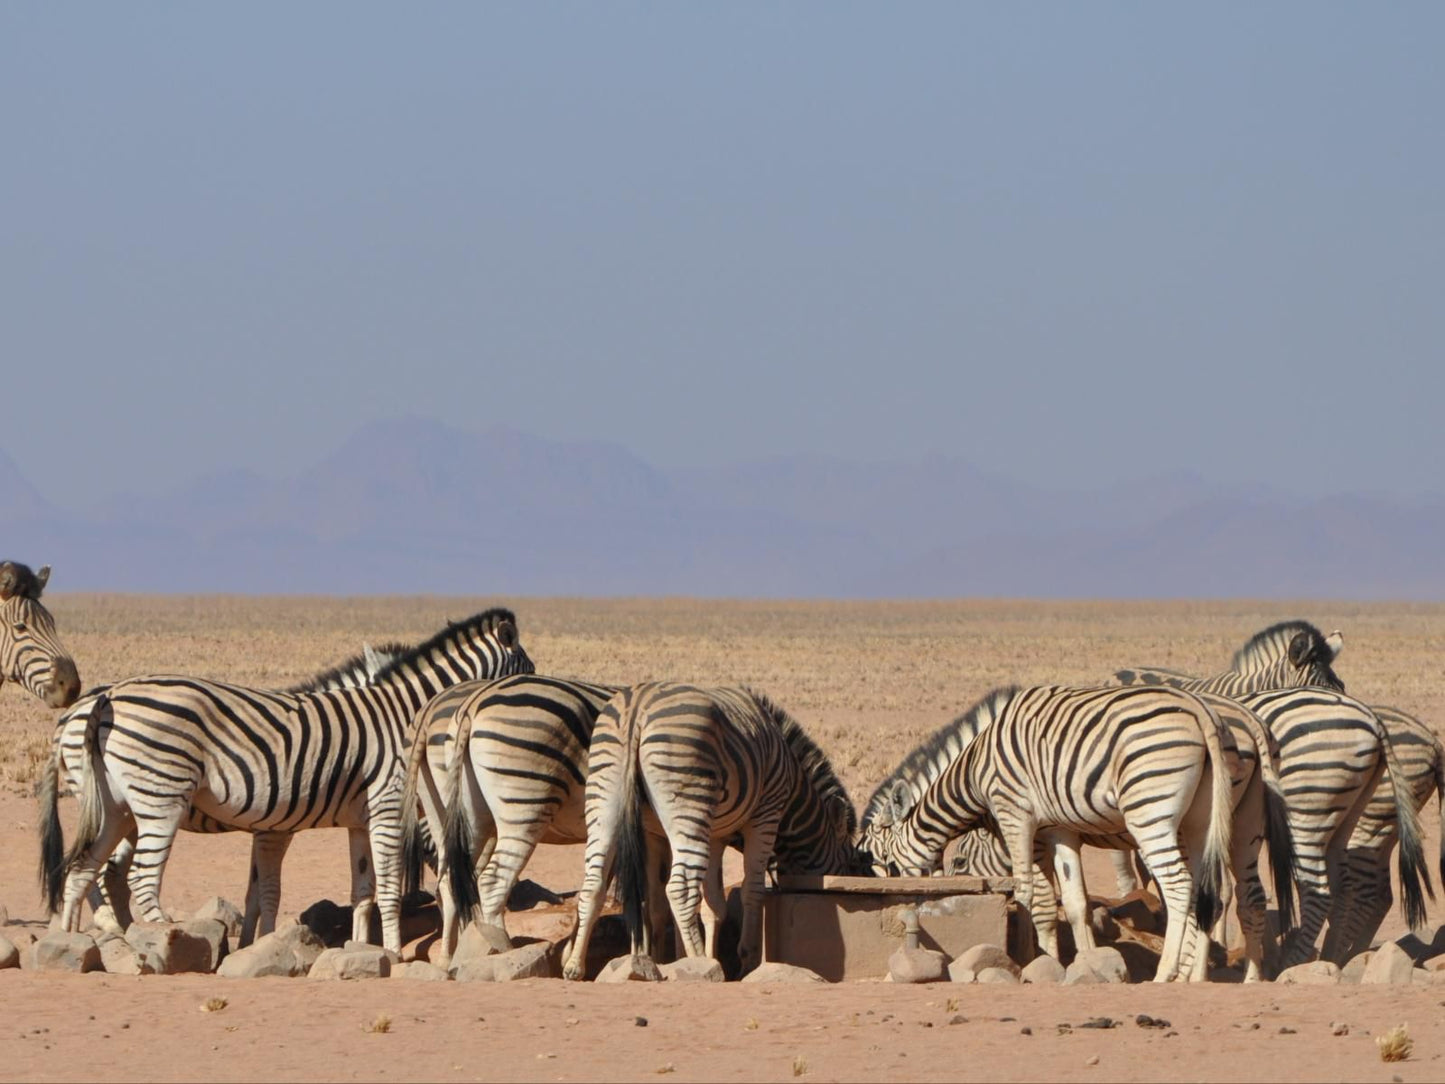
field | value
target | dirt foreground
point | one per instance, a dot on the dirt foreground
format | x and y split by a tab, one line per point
868	679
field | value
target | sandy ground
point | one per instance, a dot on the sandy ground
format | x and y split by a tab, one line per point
151	1028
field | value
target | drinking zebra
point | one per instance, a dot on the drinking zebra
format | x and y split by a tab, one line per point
262	761
1141	767
1359	871
700	767
1260	816
520	782
31	653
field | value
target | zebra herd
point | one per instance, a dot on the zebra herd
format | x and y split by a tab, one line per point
455	750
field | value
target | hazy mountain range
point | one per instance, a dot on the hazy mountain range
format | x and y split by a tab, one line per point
417	507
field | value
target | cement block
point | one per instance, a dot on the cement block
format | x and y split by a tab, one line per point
850	935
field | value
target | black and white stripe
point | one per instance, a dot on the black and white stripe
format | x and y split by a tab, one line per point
31	653
709	765
1140	767
263	761
521	782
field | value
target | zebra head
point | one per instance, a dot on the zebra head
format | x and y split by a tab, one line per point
888	842
1290	654
30	651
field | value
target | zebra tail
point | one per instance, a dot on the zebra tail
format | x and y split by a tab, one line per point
632	871
1209	882
92	805
1278	835
1438	764
1413	868
456	836
413	844
52	835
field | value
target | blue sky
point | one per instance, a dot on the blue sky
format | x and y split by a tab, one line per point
1069	243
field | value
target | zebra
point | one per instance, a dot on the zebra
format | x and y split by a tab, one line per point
261	761
1260	816
1364	895
31	653
1109	767
110	897
1334	752
521	782
698	767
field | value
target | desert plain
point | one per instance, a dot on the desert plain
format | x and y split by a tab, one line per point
869	680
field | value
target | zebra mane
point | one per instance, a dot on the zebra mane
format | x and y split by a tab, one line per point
483	623
356	664
814	762
1268	646
934	754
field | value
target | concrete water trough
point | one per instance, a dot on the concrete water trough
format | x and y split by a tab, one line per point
845	928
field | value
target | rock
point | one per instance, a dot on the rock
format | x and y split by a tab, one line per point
290	952
60	951
9	955
634	968
1043	969
173	948
997	975
329	921
476	942
419	970
1102	921
1314	973
1390	965
118	958
771	972
533	961
1081	976
1356	967
1106	963
1421	977
981	956
918	965
693	969
223	911
1435	963
355	960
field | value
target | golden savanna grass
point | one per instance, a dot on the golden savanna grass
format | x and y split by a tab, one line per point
868	679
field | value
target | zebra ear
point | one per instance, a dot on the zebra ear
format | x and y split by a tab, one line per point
1300	649
9	578
371	660
1336	643
41	579
507	634
900	800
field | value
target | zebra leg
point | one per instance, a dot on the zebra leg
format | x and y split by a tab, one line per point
1063	848
1248	891
1017	831
1162	854
384	829
155	835
1045	912
263	892
363	884
1124	876
1364	897
81	877
655	940
110	898
758	841
714	903
604	821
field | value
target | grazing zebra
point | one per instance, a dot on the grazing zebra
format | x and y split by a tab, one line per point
262	761
1334	755
110	897
1260	816
1362	896
520	782
30	650
1108	767
709	765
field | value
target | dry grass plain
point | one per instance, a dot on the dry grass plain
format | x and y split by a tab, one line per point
868	679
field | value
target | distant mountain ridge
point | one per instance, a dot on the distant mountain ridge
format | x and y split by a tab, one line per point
414	506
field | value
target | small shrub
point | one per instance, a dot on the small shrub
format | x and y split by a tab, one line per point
380	1026
214	1004
1395	1044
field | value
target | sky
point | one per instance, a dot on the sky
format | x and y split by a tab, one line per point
1073	244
